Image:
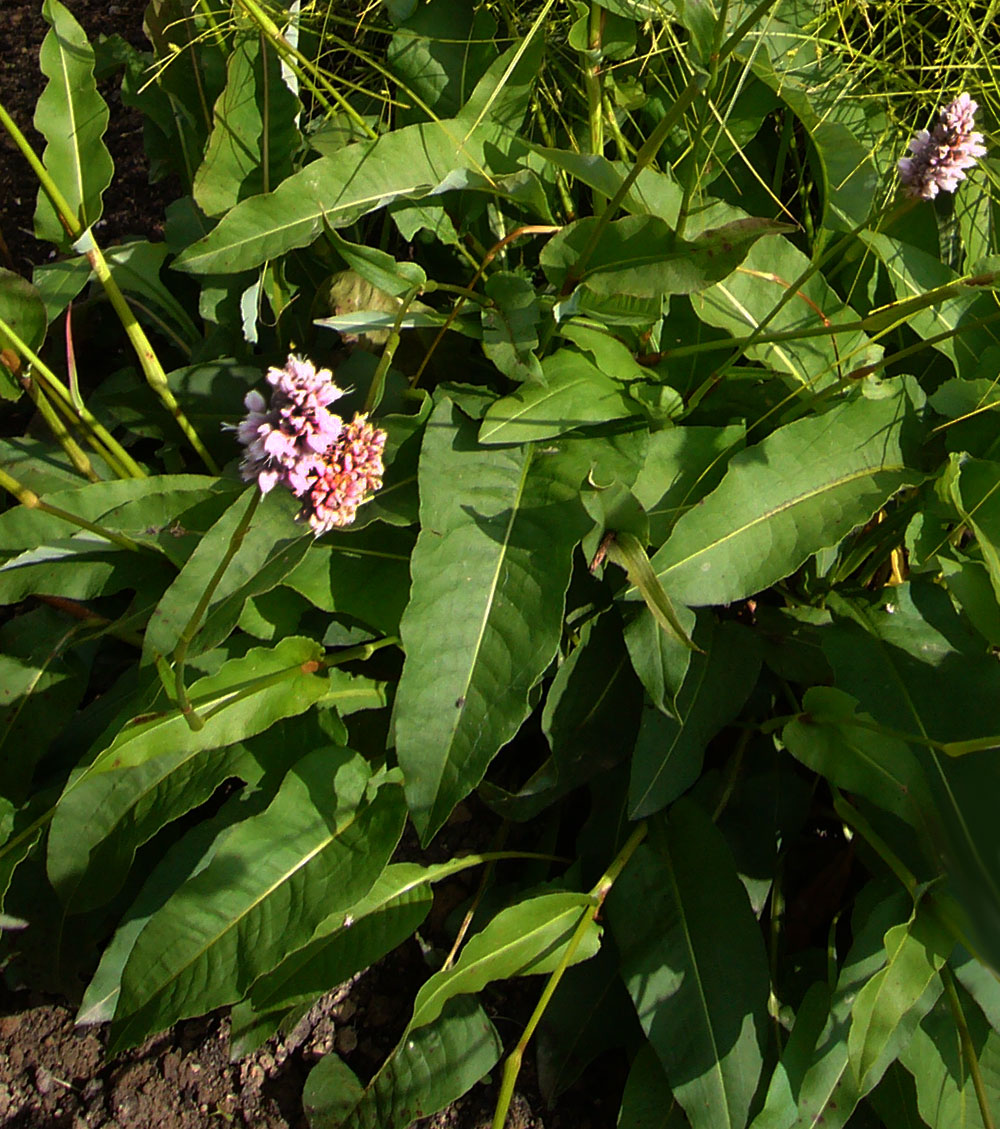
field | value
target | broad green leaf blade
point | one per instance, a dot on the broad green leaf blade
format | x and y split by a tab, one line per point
72	117
641	256
319	847
741	302
490	571
590	1013
253	134
268	550
185	858
529	937
410	163
978	493
430	1068
648	1102
829	739
575	393
803	488
889	1007
392	910
828	1092
912	273
379	270
155	770
510	326
22	308
946	1094
693	961
670	750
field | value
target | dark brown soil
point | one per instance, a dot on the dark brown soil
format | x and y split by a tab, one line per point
53	1074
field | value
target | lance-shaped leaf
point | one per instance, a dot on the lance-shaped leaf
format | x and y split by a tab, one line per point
262	555
693	961
410	163
490	571
253	133
642	255
432	1067
319	846
805	487
575	393
742	302
889	1007
156	770
22	308
72	117
530	937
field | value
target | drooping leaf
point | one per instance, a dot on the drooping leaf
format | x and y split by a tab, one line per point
694	963
510	326
22	308
490	570
319	846
72	117
803	488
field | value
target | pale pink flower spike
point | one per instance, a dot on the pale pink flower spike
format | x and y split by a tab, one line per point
939	159
296	442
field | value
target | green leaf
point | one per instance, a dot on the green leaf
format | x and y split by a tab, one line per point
529	937
977	494
72	117
828	1092
693	961
269	549
892	1003
803	488
830	738
648	1102
510	326
319	847
946	1094
253	133
669	751
739	304
642	256
346	943
429	1069
411	163
682	465
912	273
590	1013
22	308
575	393
490	571
653	193
380	270
154	770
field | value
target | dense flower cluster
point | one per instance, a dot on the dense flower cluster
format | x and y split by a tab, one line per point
939	159
295	441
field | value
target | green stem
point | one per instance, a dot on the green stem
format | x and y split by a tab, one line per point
592	85
194	721
115	454
77	456
855	820
296	61
650	147
512	1067
85	244
968	1048
30	499
377	389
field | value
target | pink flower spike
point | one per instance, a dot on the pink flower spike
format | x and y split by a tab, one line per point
939	159
351	472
